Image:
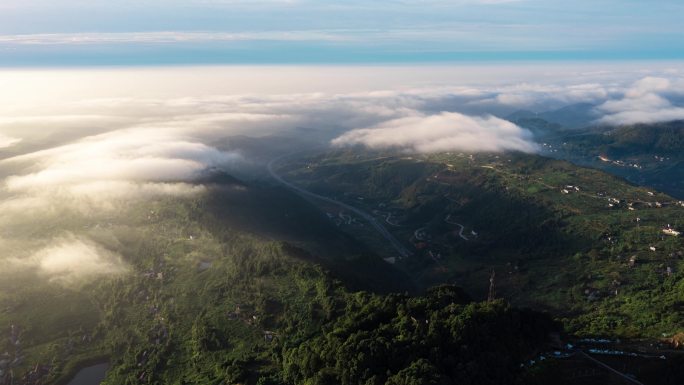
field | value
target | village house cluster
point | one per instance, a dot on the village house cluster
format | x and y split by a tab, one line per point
620	163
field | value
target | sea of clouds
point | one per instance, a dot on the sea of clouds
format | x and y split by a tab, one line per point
79	142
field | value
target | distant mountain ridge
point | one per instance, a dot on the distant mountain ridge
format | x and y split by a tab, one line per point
649	154
666	137
573	116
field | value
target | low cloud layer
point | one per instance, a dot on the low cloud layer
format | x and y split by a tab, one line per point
72	260
646	101
448	131
76	147
7	141
143	156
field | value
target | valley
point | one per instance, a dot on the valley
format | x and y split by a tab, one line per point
308	192
204	303
587	246
268	264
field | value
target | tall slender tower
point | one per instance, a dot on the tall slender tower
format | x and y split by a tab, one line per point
492	287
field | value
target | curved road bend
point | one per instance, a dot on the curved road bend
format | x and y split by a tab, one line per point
404	252
618	373
460	233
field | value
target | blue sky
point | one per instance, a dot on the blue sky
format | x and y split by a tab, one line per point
154	32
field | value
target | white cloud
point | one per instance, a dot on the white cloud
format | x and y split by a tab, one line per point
646	86
8	141
643	102
442	132
12	4
126	155
70	260
169	37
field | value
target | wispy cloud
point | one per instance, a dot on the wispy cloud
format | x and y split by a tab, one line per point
70	260
163	37
468	35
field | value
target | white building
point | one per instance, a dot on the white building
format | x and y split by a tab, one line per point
671	231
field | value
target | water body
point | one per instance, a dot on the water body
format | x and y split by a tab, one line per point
92	375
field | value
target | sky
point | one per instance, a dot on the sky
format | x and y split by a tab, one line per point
184	32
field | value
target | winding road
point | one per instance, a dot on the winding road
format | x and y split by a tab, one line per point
610	369
460	233
403	251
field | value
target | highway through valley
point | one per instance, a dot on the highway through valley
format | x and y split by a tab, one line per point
403	251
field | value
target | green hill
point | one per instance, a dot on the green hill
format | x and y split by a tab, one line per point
559	237
206	300
647	154
641	139
247	282
632	141
573	116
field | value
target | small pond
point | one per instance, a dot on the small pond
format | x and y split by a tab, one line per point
91	375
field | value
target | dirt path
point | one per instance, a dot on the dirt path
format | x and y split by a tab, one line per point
460	233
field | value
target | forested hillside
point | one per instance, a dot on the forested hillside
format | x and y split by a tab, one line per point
559	237
202	301
648	154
